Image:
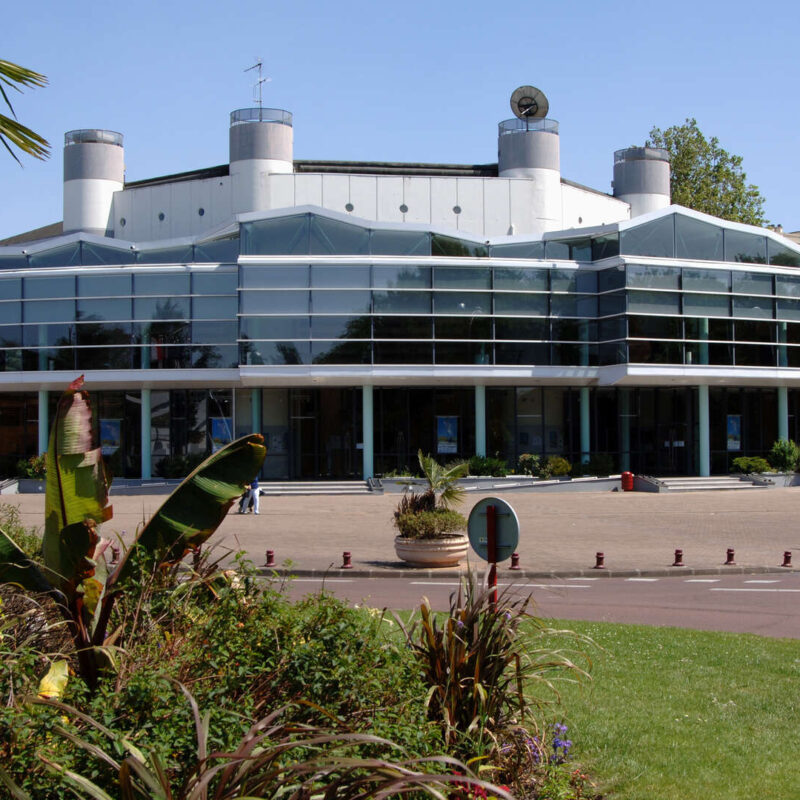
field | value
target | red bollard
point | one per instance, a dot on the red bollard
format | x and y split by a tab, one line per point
515	561
627	481
729	562
599	561
678	559
787	558
346	560
270	558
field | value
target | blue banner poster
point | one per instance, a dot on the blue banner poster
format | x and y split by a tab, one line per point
446	434
110	436
221	428
734	432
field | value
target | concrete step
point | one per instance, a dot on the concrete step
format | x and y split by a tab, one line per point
302	488
713	483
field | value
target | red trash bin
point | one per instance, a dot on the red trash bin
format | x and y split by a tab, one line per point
627	481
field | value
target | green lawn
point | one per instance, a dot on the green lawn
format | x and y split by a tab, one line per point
688	715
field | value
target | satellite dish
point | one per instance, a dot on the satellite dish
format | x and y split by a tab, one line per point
528	102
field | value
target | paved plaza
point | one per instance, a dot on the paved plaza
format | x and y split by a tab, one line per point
560	533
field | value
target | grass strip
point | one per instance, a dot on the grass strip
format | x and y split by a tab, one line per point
674	714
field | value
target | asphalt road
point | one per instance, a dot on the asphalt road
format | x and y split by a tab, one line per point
766	605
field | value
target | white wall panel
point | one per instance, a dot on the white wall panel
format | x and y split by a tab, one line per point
469	193
390	198
496	220
335	192
417	196
521	204
582	208
308	190
364	196
443	198
182	212
281	191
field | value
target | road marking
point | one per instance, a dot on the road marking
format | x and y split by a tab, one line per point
583	579
434	583
552	586
755	581
642	580
725	589
702	580
321	580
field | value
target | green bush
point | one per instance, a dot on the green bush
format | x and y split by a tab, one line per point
784	455
33	467
750	464
556	466
528	464
179	466
430	524
28	539
487	465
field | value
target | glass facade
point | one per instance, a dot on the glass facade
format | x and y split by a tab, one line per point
304	294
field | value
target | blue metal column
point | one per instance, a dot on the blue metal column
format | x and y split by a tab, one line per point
480	421
703	432
585	425
625	430
783	412
44	433
367	432
255	411
147	468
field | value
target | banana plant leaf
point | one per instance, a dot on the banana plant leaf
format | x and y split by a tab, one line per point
16	567
76	492
199	505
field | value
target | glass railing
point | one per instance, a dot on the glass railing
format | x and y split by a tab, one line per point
641	154
515	125
93	136
244	115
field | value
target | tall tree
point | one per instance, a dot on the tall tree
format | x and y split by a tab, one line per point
12	133
707	177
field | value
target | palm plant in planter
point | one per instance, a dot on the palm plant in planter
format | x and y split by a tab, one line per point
430	531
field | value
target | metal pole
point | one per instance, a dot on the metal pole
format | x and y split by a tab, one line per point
491	551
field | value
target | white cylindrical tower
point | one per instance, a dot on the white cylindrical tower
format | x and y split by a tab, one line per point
641	178
261	143
529	148
94	168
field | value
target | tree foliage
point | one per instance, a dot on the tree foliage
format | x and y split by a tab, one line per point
13	133
706	177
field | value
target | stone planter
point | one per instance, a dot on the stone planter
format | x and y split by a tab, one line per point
445	551
30	486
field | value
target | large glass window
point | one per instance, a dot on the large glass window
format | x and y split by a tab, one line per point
161	283
274	327
341	352
341	327
782	256
448	246
610	279
518	304
709	305
10	288
463	328
68	255
161	308
403	327
752	307
655	239
401	243
745	247
49	310
521	280
211	307
61	287
213	332
461	278
216	282
332	237
523	329
218	251
286	276
274	237
647	277
707	280
696	239
654	327
462	302
340	277
96	254
654	302
104	286
401	302
107	308
172	255
518	250
340	302
280	302
405	277
752	283
605	246
787	285
528	353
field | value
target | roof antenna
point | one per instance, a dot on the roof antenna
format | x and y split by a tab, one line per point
258	84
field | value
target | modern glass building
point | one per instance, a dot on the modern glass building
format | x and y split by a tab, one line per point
354	313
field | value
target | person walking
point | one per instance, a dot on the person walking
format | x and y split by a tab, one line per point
254	495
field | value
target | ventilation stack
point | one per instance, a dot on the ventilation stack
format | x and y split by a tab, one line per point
94	168
641	178
261	144
529	148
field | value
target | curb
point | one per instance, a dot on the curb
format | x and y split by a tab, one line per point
505	574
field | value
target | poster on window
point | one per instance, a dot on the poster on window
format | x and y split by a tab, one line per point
734	432
446	434
221	433
110	436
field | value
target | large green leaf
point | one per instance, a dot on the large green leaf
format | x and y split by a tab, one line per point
199	505
76	492
17	567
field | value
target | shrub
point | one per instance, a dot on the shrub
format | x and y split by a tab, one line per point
483	465
556	466
529	464
750	464
784	455
179	466
28	539
430	524
33	467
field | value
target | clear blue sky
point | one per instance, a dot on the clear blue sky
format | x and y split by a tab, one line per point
405	81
